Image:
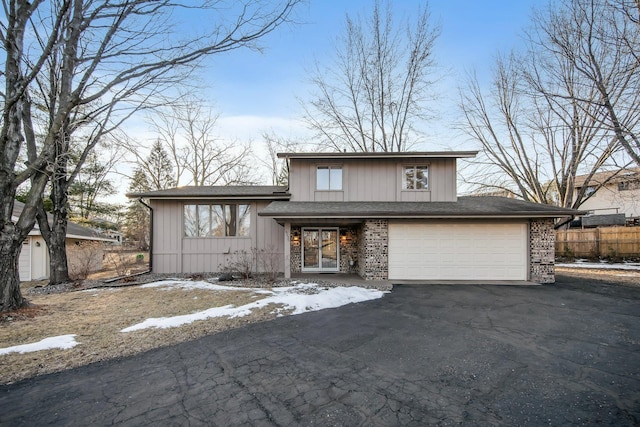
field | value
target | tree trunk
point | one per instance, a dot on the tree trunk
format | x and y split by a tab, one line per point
57	247
55	235
12	298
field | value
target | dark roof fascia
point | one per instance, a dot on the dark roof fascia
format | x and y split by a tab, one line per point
382	215
462	209
201	197
381	155
257	192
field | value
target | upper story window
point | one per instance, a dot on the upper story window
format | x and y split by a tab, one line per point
628	185
416	177
590	190
216	220
329	178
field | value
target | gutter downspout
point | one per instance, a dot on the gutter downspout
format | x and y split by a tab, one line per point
150	233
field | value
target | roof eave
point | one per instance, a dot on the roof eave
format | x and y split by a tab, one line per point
204	197
390	155
95	238
419	216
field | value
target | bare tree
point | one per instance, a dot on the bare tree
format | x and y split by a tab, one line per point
113	58
278	172
373	93
533	144
187	130
601	41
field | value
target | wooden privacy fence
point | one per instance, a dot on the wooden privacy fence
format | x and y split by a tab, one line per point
598	242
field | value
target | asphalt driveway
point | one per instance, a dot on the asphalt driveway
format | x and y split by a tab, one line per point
566	354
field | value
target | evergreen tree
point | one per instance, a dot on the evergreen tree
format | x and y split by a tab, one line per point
137	216
92	182
158	168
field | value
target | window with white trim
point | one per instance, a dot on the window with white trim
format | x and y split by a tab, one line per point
415	177
217	220
329	178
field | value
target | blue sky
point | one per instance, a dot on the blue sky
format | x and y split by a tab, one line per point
257	92
254	90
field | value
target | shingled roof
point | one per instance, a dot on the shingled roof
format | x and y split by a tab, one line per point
612	177
464	207
273	192
74	231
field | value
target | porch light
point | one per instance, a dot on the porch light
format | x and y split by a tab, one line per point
295	236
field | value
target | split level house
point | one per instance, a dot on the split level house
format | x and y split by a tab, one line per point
612	193
33	263
382	216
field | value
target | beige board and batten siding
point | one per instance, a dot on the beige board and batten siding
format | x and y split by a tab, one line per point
174	253
373	180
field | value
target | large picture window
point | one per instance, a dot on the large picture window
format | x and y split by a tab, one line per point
329	178
416	178
217	220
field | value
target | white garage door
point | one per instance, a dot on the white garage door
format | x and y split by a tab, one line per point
458	251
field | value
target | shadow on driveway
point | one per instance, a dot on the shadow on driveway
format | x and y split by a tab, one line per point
564	354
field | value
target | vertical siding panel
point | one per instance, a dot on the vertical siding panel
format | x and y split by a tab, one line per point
166	239
362	184
373	180
391	173
436	180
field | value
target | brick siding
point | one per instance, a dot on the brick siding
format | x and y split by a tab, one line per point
542	241
373	249
295	256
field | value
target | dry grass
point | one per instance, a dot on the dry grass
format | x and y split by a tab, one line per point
116	256
623	277
96	316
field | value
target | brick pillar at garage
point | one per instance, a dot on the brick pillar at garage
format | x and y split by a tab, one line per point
373	249
542	250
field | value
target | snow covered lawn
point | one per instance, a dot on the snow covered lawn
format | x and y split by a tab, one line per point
297	299
72	329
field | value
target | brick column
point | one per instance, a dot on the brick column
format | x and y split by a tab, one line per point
295	254
373	249
542	250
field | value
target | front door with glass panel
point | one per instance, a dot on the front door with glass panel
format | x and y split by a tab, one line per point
320	249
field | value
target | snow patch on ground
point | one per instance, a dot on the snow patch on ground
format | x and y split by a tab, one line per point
297	299
188	285
62	342
601	265
301	298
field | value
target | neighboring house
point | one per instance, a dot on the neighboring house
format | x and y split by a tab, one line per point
108	229
620	194
34	256
382	216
